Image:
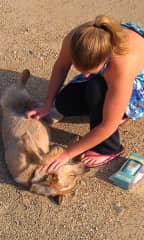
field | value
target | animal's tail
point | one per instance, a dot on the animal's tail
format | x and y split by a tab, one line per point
23	78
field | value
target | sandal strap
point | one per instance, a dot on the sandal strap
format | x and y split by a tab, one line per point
94	154
109	157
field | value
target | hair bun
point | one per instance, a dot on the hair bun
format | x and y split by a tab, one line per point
101	26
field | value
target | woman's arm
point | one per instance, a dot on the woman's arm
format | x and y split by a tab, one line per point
58	76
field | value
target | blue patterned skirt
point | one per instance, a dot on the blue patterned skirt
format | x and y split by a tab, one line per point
135	108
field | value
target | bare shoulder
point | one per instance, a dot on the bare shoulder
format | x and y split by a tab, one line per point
124	68
128	66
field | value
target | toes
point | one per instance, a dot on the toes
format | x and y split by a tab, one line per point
92	163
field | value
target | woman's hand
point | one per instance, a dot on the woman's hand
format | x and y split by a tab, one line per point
56	163
38	113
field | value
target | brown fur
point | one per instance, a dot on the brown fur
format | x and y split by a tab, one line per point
26	143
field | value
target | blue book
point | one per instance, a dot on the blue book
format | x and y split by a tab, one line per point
131	172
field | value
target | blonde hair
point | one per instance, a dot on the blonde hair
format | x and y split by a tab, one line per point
92	43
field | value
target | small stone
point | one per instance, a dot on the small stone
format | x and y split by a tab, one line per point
30	52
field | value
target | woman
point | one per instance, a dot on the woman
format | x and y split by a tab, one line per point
110	58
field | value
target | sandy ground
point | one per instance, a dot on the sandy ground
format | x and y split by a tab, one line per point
30	34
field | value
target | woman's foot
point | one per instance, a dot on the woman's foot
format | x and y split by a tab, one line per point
93	159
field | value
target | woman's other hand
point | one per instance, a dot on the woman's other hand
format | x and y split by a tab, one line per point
38	113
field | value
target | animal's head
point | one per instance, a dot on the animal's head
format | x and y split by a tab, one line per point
16	97
59	183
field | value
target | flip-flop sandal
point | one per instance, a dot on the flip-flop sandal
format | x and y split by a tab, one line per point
108	157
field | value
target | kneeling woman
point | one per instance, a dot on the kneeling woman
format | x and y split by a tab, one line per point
110	88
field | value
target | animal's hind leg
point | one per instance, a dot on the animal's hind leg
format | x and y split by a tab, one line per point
30	146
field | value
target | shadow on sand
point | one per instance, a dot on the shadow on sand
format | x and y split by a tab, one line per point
106	171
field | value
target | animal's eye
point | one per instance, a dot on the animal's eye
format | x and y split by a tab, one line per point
52	178
55	177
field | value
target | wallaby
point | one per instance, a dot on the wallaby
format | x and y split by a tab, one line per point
27	141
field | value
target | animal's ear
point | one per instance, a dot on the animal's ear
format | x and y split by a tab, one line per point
78	169
44	188
23	78
48	191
